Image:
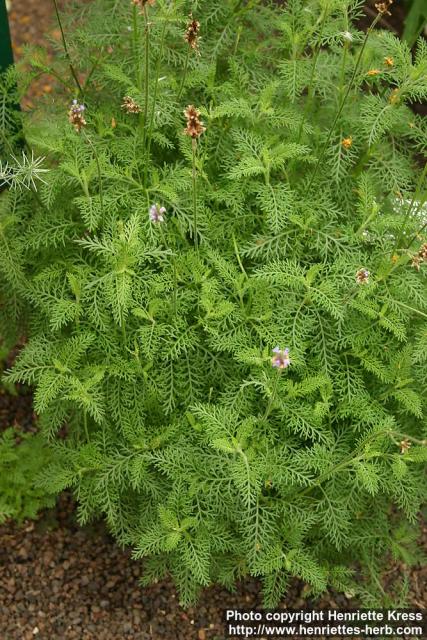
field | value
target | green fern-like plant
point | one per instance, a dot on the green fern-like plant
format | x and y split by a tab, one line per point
22	458
228	307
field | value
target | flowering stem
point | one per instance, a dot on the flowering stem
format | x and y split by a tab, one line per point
98	169
273	395
193	148
85	425
355	458
236	250
416	235
311	81
181	88
343	101
175	287
135	33
67	54
153	108
146	77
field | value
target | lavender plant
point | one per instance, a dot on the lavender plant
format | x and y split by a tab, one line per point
225	285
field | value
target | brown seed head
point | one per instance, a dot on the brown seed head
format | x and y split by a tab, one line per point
192	34
76	116
347	142
420	257
362	276
130	106
141	3
423	252
416	261
383	7
404	445
194	127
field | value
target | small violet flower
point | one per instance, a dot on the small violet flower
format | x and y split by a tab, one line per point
76	115
280	359
156	213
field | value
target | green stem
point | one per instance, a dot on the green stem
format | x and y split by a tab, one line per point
153	108
272	397
86	430
343	101
355	458
124	335
135	33
184	75
311	81
236	250
146	78
93	69
416	235
175	287
67	54
342	74
193	149
98	169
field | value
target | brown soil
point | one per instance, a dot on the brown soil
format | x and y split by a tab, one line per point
71	583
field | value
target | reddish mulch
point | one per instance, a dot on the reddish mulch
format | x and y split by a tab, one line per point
32	22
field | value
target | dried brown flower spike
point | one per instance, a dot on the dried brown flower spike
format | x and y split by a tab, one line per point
404	446
130	106
383	7
362	276
76	116
192	34
194	127
141	3
420	257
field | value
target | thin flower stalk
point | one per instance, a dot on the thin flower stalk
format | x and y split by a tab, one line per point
154	99
184	75
98	170
146	78
343	101
194	178
191	36
280	360
194	130
311	81
135	33
67	53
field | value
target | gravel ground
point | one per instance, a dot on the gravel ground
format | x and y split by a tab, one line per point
62	582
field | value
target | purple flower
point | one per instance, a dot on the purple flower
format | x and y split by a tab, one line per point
75	115
280	359
156	213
